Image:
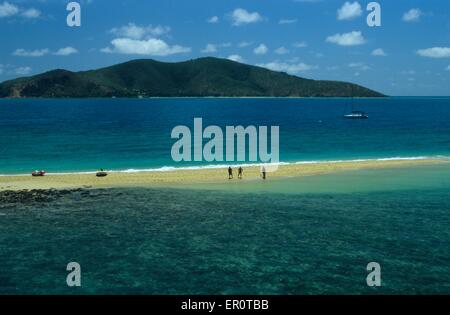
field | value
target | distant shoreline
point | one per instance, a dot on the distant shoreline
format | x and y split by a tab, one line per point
201	97
224	97
185	177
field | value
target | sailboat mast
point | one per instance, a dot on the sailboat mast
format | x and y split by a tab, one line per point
352	100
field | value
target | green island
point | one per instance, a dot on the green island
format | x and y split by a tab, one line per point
203	77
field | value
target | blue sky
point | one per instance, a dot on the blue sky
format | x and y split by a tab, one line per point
320	39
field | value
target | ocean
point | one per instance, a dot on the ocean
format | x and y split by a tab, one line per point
74	135
305	235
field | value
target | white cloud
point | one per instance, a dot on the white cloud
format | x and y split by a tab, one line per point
435	52
242	17
236	58
292	68
30	53
31	13
379	52
66	51
210	48
412	15
149	47
14	70
448	68
8	9
22	70
244	44
359	65
300	44
138	32
287	21
213	19
261	50
140	40
349	11
347	39
281	51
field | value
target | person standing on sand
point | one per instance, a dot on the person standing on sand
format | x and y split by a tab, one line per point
263	172
240	172
230	173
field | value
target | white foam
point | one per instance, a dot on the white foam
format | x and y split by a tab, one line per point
222	166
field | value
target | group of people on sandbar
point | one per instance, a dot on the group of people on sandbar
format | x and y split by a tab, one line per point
241	172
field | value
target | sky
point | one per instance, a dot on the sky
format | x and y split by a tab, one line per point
408	55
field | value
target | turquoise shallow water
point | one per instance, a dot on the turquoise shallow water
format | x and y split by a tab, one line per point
314	238
84	135
427	177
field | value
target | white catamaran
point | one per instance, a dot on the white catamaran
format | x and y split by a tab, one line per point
355	114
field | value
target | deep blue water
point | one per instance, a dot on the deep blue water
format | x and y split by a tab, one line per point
121	134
